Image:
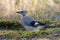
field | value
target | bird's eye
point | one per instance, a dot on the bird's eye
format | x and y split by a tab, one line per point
23	11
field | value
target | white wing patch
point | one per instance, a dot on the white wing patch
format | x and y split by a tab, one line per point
36	23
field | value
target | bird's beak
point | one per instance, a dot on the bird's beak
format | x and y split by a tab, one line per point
18	12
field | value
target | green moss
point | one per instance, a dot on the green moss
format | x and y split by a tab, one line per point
28	34
23	33
10	24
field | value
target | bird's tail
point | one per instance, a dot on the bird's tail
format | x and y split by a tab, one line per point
50	26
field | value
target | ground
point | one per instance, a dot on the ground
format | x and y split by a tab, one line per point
15	32
47	34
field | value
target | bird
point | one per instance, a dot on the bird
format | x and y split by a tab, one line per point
29	23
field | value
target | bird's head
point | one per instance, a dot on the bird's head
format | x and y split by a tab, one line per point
23	12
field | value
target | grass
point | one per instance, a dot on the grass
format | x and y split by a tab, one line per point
20	33
10	24
27	34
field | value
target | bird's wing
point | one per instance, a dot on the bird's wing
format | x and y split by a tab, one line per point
37	23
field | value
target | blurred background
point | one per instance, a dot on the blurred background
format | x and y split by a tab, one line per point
41	9
47	11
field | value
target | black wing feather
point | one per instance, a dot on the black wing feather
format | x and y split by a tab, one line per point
39	23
